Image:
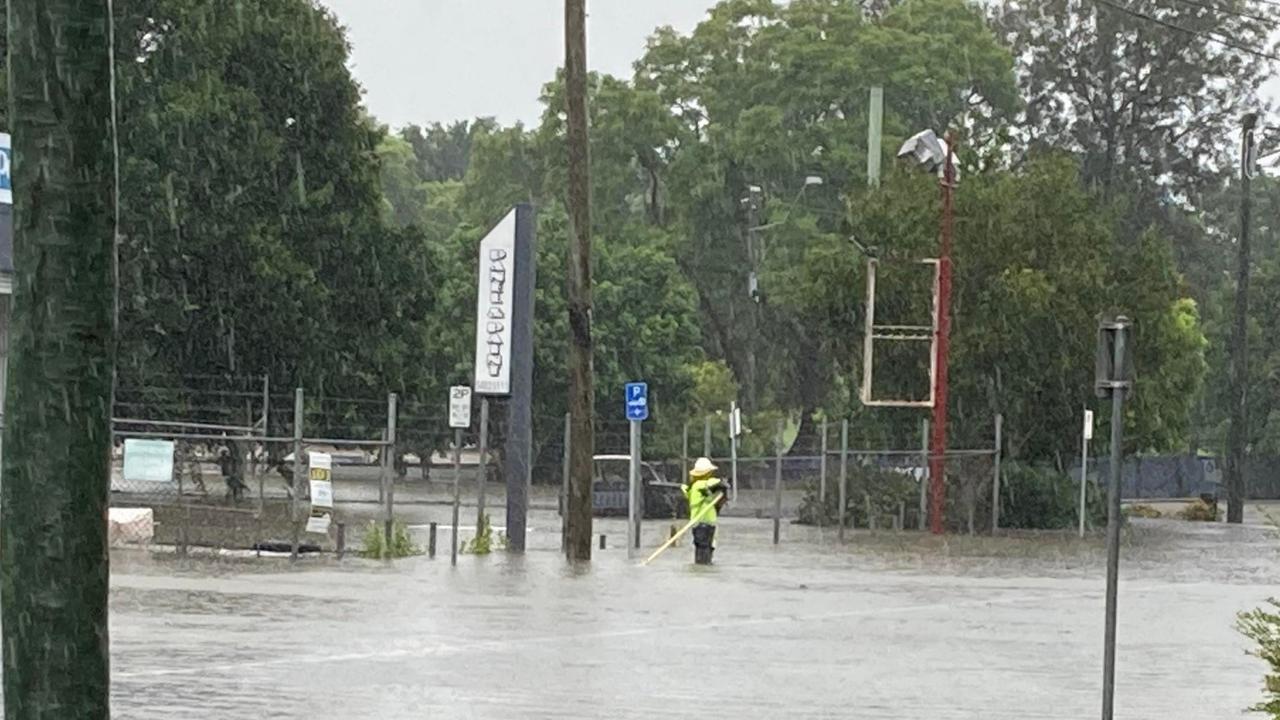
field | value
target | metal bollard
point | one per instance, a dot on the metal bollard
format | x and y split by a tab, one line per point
431	540
342	540
602	541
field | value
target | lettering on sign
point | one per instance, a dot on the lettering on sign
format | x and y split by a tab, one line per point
496	327
494	307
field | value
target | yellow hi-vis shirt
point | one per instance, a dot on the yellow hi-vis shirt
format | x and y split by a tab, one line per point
701	495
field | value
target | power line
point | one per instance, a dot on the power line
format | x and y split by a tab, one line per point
1226	11
1196	33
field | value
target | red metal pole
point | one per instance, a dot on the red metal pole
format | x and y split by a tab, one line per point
938	441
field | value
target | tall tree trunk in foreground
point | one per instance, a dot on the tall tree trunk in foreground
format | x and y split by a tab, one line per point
53	499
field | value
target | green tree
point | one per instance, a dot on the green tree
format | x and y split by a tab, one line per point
1146	106
443	152
771	99
253	240
1033	270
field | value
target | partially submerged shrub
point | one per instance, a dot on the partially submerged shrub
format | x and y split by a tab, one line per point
1041	498
1143	511
484	542
1200	511
885	488
375	542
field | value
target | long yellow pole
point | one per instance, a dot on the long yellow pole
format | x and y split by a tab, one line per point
692	521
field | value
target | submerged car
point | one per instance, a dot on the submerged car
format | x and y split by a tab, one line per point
659	498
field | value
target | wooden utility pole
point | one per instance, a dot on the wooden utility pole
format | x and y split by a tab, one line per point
1238	373
57	436
578	286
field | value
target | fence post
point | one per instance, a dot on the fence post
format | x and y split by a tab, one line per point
483	464
260	469
924	473
564	487
684	454
186	514
995	476
388	469
777	486
706	436
873	523
266	405
822	471
299	473
844	474
382	475
733	450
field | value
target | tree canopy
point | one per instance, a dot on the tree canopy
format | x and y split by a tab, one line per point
271	226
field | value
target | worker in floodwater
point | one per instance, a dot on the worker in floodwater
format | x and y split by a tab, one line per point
706	495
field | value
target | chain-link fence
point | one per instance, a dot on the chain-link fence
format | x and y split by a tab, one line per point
1161	477
806	473
231	480
224	463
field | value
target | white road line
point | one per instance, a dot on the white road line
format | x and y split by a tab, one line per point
461	528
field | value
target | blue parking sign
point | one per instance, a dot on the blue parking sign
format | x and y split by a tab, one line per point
637	401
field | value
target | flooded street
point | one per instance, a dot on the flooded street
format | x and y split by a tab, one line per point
891	626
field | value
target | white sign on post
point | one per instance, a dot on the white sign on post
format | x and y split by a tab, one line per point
6	169
735	420
495	301
460	406
1088	424
320	467
148	460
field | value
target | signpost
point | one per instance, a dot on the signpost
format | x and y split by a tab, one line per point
459	420
504	351
1114	379
6	259
1086	436
637	411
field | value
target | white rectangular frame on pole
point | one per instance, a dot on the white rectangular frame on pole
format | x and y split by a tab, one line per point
897	333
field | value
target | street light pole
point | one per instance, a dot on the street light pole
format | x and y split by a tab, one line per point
938	442
1238	375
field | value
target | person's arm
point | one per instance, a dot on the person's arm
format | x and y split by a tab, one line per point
719	486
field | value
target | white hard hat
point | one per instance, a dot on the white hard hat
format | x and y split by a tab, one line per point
703	466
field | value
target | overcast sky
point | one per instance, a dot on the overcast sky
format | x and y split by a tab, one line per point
439	60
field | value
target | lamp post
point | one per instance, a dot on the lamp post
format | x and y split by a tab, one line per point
926	150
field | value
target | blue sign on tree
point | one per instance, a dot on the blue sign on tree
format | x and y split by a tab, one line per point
637	401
